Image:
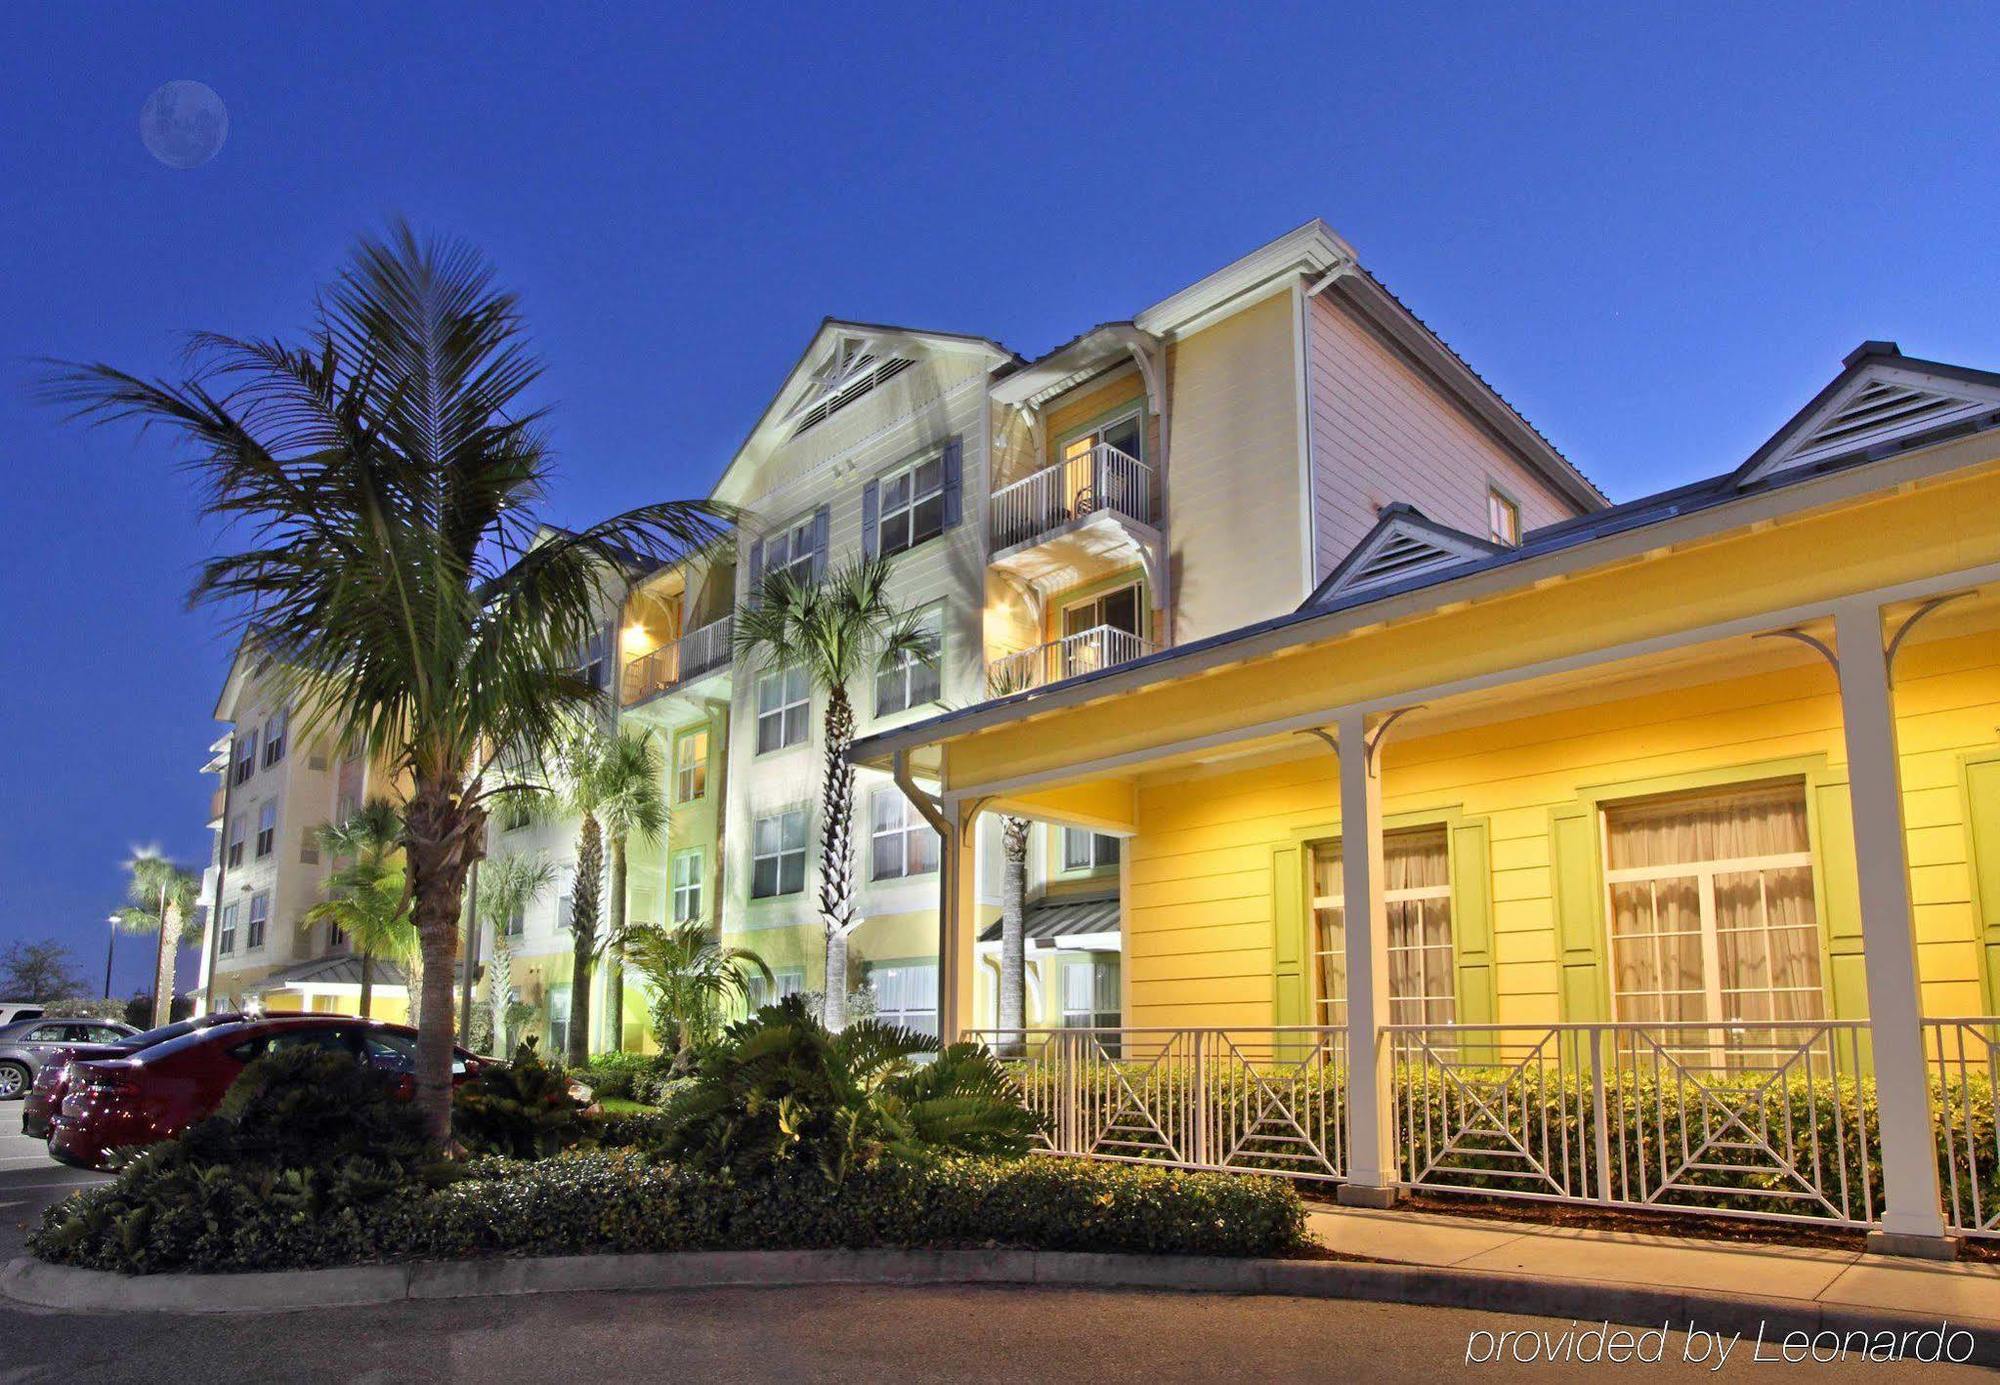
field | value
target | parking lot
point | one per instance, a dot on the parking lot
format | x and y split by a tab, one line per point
29	1181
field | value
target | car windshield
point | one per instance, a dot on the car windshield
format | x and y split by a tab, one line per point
180	1043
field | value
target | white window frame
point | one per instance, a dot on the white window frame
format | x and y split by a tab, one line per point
896	677
274	738
687	875
246	761
236	841
757	854
1093	965
907	823
927	1017
687	769
1332	1010
784	981
225	943
1499	502
905	510
1094	850
259	922
1094	434
796	541
791	702
1704	873
267	828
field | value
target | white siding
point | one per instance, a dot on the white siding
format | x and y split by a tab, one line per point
1381	432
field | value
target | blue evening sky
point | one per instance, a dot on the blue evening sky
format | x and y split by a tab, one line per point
1656	229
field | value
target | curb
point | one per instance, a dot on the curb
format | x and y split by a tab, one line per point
30	1282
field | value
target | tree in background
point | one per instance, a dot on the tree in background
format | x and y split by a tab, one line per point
162	903
367	895
631	803
43	971
386	472
694	976
836	627
509	886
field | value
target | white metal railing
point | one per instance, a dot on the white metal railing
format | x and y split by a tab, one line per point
1964	1059
676	661
1250	1100
1101	646
1103	478
1753	1120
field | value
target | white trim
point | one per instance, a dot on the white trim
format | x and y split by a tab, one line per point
1960	400
1569	663
1313	247
1725	517
1302	403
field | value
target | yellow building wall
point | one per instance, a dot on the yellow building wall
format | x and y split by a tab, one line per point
1207	898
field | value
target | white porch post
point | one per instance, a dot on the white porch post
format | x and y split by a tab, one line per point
1912	1222
1371	1145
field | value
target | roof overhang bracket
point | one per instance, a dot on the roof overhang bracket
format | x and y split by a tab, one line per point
1812	642
1910	623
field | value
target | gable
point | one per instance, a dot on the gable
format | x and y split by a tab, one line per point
1404	544
1882	400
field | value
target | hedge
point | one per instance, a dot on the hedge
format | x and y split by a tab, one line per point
214	1219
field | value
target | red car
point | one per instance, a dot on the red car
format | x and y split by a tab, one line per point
116	1106
45	1098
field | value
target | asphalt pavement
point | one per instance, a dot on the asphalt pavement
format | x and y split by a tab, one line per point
29	1181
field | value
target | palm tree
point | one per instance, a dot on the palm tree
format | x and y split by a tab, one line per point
836	627
1013	890
693	976
367	894
509	886
630	803
162	896
385	472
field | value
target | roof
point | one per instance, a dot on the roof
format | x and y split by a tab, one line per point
1054	919
1404	543
1740	483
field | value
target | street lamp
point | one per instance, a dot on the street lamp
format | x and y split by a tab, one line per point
109	945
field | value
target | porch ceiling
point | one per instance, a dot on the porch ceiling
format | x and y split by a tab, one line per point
1086	548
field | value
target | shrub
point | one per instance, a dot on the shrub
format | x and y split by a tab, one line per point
593	1203
780	1092
521	1109
621	1076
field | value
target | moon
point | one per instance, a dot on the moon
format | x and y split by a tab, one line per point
183	124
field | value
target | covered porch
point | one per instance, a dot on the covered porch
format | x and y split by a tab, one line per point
1659	870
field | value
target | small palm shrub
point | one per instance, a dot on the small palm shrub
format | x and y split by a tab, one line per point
522	1110
781	1093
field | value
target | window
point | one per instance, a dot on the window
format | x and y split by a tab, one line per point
274	739
260	915
691	766
565	912
906	995
790	551
1101	632
1116	485
687	886
594	659
267	829
1503	519
902	842
225	942
778	854
517	922
1088	850
1711	909
518	814
246	758
239	827
784	981
335	936
1090	993
558	1019
912	506
784	703
907	680
1416	893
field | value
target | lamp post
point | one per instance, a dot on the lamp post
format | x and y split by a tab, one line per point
109	946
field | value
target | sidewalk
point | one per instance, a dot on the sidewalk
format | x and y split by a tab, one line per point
1967	1293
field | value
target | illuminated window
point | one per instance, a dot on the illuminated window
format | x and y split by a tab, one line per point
1503	519
1416	896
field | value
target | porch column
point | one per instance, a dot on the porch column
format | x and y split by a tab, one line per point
958	917
1912	1221
1371	1145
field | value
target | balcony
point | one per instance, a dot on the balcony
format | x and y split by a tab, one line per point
676	662
1087	651
1096	504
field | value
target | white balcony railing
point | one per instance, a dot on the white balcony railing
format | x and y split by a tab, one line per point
676	661
1087	651
1103	479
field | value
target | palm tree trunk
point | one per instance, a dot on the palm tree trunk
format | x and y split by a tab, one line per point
441	836
583	934
614	973
468	956
163	967
1013	918
499	981
836	864
367	985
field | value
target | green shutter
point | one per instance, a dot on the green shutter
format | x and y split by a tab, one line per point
1579	939
1472	922
1982	788
1840	896
1290	1002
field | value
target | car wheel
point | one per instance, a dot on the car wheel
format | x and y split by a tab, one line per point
13	1081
